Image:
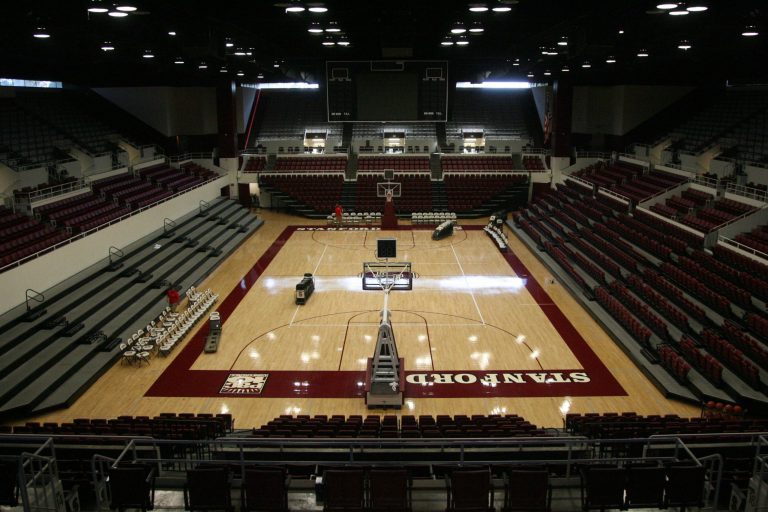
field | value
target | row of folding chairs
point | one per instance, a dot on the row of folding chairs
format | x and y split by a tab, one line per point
432	217
180	326
355	219
497	235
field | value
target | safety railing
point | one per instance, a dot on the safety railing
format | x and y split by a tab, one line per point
105	225
53	191
749	192
743	247
190	156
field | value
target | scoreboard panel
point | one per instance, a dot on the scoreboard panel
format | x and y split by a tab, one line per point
387	91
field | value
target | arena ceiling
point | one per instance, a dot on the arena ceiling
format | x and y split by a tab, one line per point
267	41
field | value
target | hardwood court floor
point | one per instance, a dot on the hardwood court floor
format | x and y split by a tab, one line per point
462	321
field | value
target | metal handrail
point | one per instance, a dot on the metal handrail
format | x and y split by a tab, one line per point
103	226
743	247
33	296
745	191
116	252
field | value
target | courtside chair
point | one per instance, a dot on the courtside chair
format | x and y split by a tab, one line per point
344	490
9	476
208	488
527	489
265	490
602	487
645	485
132	487
389	490
470	490
685	486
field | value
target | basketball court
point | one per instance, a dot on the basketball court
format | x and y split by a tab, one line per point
481	331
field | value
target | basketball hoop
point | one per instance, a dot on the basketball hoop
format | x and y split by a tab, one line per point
388	196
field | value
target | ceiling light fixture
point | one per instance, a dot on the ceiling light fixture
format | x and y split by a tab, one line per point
750	31
684	45
260	76
239	52
295	6
462	41
547	73
223	70
107	46
148	54
446	42
202	65
565	69
610	60
502	8
117	14
41	33
125	8
563	41
172	33
642	53
478	8
530	74
318	9
666	5
458	28
329	42
228	43
476	28
315	28
178	60
516	63
333	27
343	41
97	6
680	10
621	31
586	64
240	73
697	8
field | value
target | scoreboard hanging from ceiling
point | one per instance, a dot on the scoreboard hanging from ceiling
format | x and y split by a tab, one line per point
387	90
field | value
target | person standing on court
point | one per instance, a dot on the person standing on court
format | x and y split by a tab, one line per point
339	211
173	298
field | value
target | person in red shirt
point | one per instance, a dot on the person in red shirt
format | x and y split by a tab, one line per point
339	211
173	298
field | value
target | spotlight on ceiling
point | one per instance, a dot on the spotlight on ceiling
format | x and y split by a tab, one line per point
684	45
97	6
750	31
125	7
530	74
172	33
478	7
565	69
107	46
223	69
41	33
317	8
503	7
697	7
315	28
260	76
446	42
148	54
516	63
240	73
239	52
586	64
295	6
563	41
178	60
642	53
621	31
343	41
228	43
666	5
679	11
117	14
547	73
333	27
476	28
328	41
610	60
458	28
462	41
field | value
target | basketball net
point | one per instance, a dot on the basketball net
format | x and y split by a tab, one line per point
388	196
